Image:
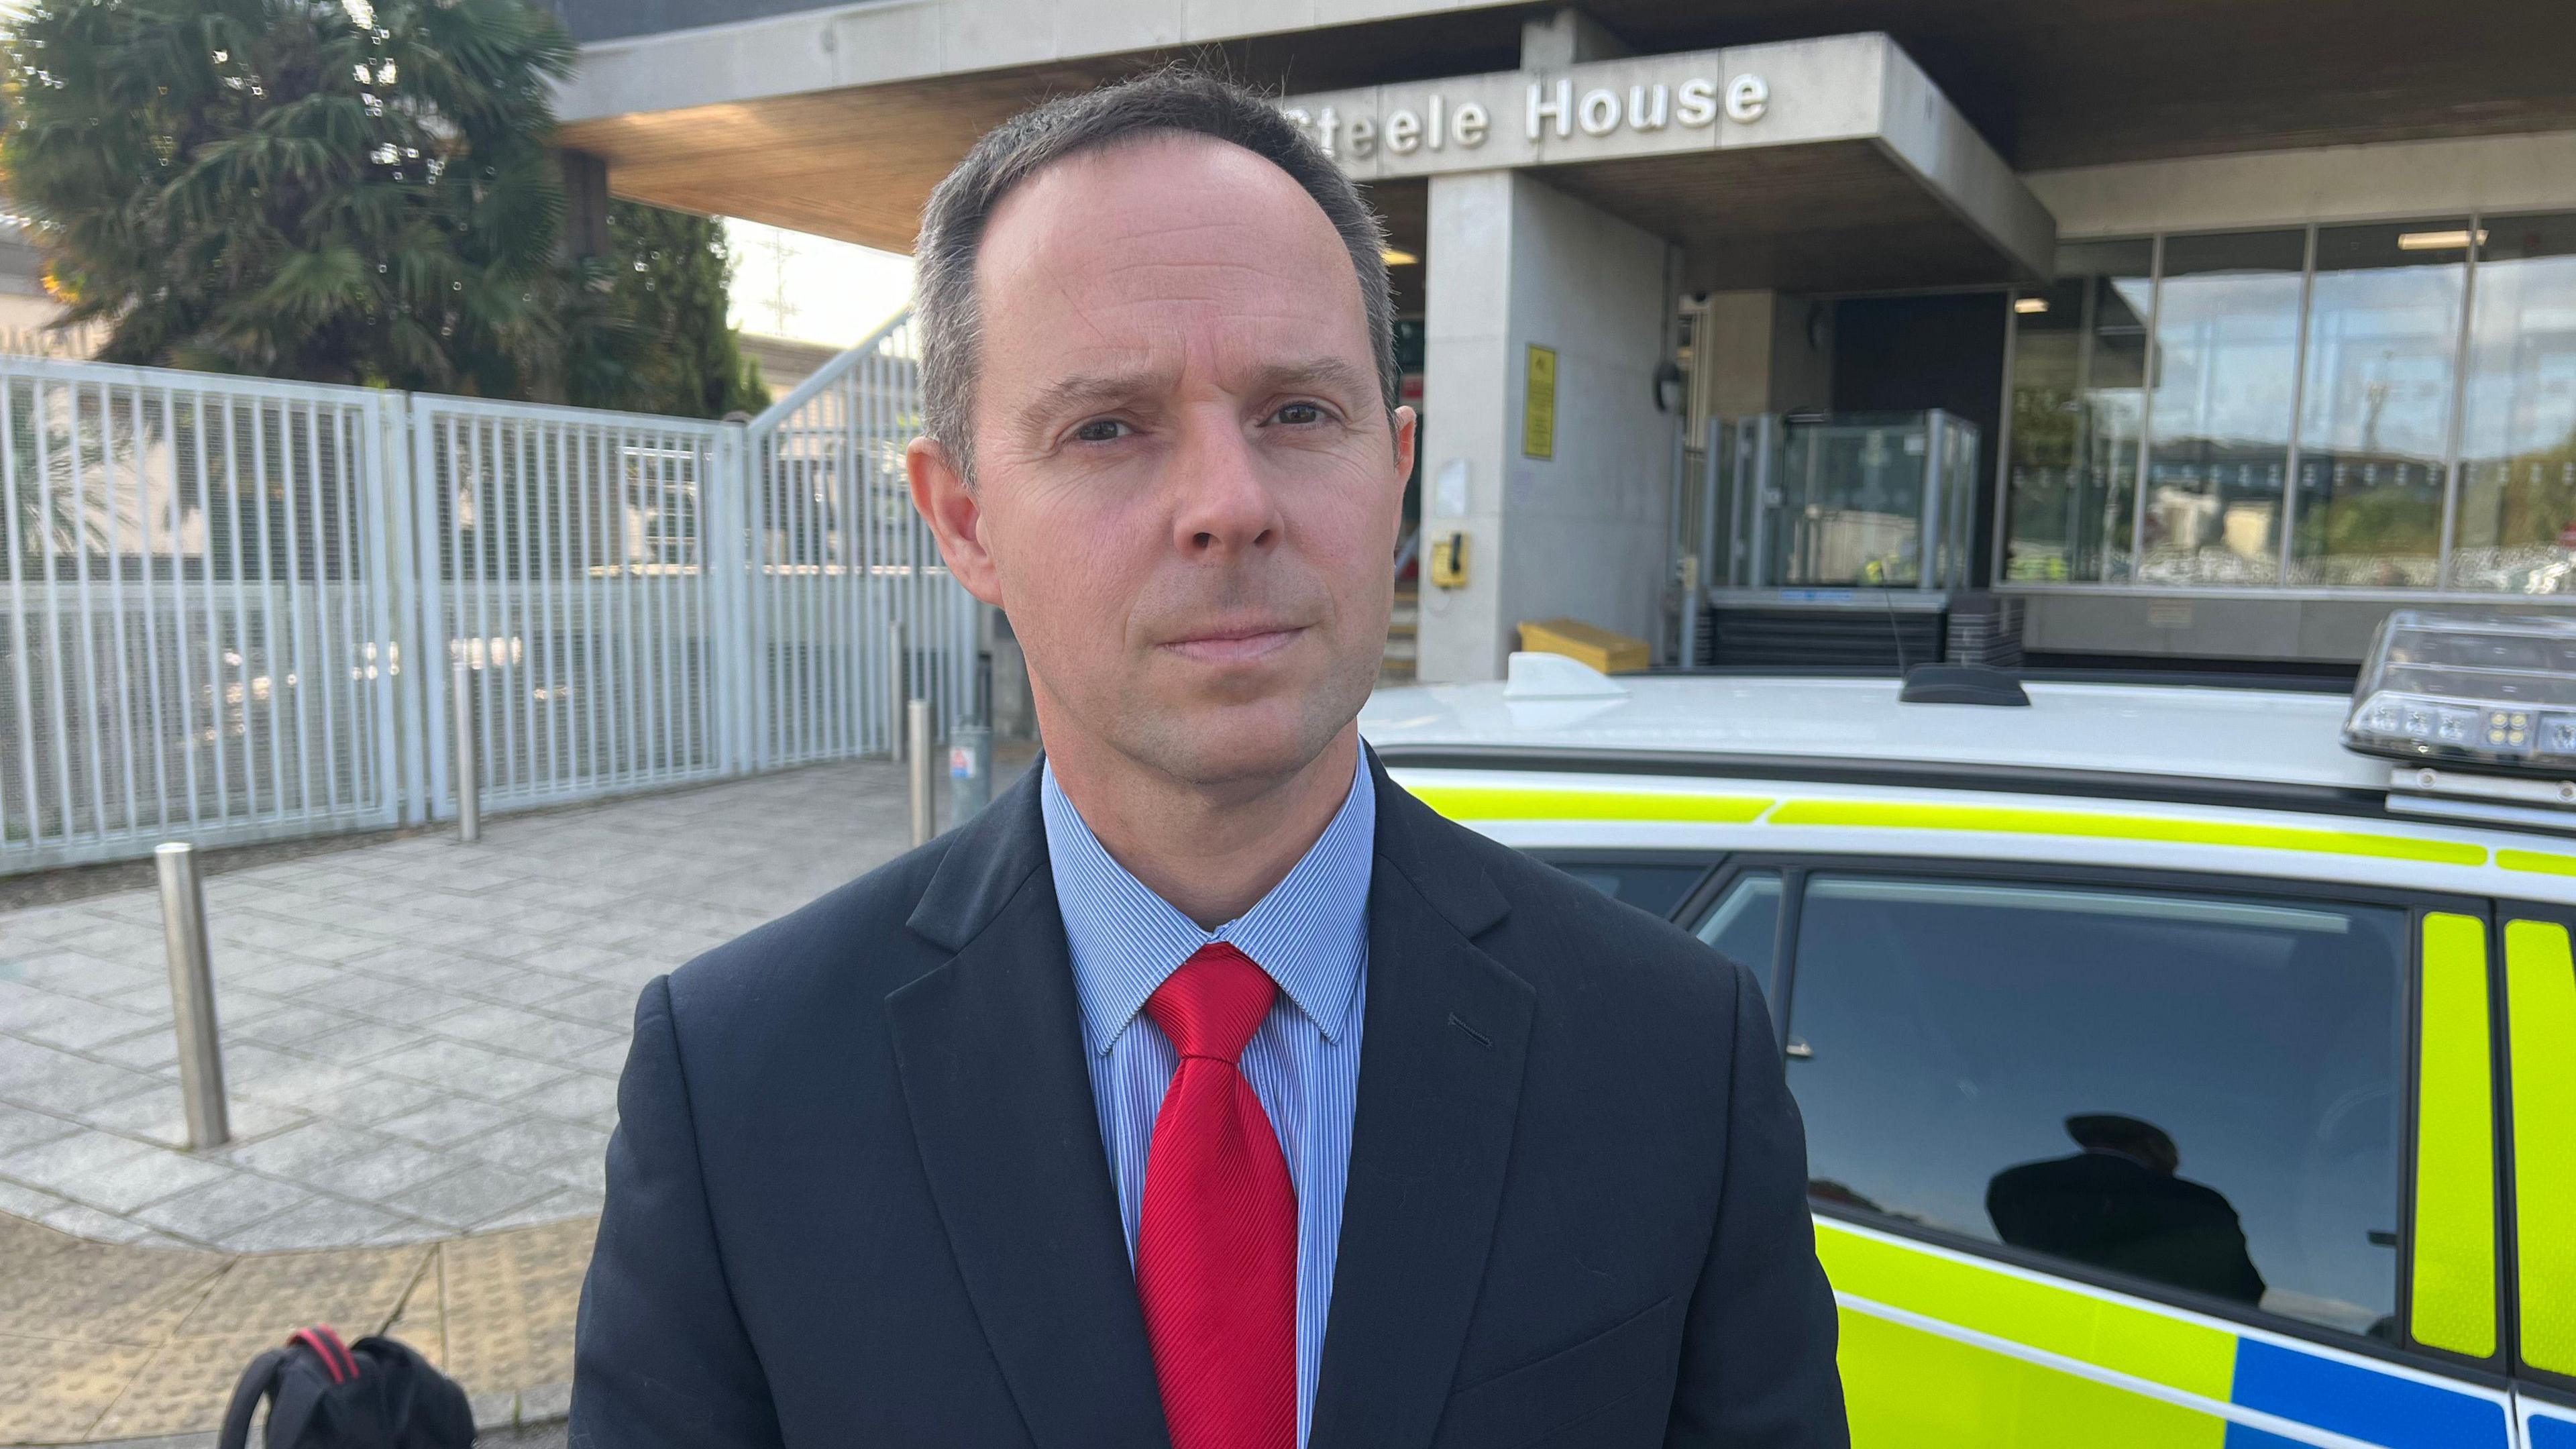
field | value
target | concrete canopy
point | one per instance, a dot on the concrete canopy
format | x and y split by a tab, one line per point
1804	165
839	118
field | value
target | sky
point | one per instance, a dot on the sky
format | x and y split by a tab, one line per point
811	288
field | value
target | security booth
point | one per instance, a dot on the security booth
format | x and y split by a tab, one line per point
1834	539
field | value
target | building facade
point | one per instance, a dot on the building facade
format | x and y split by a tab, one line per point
2240	323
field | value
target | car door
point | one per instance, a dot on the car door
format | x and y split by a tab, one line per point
2540	1051
2113	1158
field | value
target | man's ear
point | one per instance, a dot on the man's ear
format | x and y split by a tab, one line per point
940	493
1408	436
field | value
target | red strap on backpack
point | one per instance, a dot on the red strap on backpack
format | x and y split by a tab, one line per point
326	1345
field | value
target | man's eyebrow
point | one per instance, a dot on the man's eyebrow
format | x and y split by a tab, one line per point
1083	392
1320	374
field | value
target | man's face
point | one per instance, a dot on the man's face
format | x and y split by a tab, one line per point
1187	486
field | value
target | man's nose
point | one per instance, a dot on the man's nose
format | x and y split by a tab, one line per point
1225	504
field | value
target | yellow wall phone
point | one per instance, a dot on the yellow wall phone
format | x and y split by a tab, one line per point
1449	562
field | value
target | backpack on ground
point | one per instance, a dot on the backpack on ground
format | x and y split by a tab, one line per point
324	1394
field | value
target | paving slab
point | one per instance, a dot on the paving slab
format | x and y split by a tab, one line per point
420	1037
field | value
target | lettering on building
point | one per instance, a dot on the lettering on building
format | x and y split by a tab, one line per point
1555	109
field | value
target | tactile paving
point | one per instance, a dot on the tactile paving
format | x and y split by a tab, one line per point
103	1292
355	1290
103	1341
53	1390
184	1386
511	1298
422	1320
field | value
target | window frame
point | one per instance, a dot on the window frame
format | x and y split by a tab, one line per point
2495	1371
2546	1384
1612	857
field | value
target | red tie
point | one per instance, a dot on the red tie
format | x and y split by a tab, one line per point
1216	1251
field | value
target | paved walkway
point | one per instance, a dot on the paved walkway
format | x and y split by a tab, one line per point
420	1037
422	1042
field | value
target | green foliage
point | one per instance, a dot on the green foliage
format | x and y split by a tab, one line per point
285	188
673	282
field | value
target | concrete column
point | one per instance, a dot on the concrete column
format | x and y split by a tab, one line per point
1568	37
1513	264
1765	352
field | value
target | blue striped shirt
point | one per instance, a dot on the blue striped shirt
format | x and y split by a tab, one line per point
1311	934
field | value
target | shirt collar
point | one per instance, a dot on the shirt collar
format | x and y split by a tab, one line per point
1310	932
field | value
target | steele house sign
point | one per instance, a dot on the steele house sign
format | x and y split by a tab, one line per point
1842	88
1554	106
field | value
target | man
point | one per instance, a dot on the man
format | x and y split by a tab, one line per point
1207	1089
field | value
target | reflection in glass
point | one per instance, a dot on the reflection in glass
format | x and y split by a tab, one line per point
2227	337
1955	1027
2517	524
2120	1203
1744	925
2383	326
2078	365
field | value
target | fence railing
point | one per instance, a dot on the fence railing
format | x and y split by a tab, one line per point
839	558
229	606
578	578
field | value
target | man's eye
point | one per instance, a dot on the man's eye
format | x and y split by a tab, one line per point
1298	412
1100	430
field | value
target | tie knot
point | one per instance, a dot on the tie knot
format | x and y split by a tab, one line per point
1213	1004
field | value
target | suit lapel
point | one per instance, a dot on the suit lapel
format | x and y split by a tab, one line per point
990	1050
1445	1028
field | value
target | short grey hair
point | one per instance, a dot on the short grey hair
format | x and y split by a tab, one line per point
1169	101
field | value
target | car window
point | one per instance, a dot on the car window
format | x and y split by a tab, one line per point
2201	1092
1656	887
1744	924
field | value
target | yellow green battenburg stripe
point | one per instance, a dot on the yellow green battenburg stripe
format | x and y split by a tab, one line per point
2540	1001
1544	802
2455	1305
2102	825
2537	862
1904	1386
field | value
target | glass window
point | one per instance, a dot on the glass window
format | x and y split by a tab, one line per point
2517	524
2047	412
1744	925
2079	363
1656	887
2375	414
2227	338
2199	1092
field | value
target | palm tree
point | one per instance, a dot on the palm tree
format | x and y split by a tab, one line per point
312	189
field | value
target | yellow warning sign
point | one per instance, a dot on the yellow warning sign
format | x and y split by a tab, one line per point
1538	410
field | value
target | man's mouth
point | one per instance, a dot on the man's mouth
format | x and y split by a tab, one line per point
1236	644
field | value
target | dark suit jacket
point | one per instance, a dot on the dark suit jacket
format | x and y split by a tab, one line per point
857	1194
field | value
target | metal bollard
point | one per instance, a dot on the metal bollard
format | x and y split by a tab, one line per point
192	995
970	772
469	772
897	691
918	758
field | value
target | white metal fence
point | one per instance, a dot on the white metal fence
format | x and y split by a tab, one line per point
220	594
580	577
840	559
198	624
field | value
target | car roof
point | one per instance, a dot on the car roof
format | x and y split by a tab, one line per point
2219	736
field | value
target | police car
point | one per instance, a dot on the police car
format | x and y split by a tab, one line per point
2180	1065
